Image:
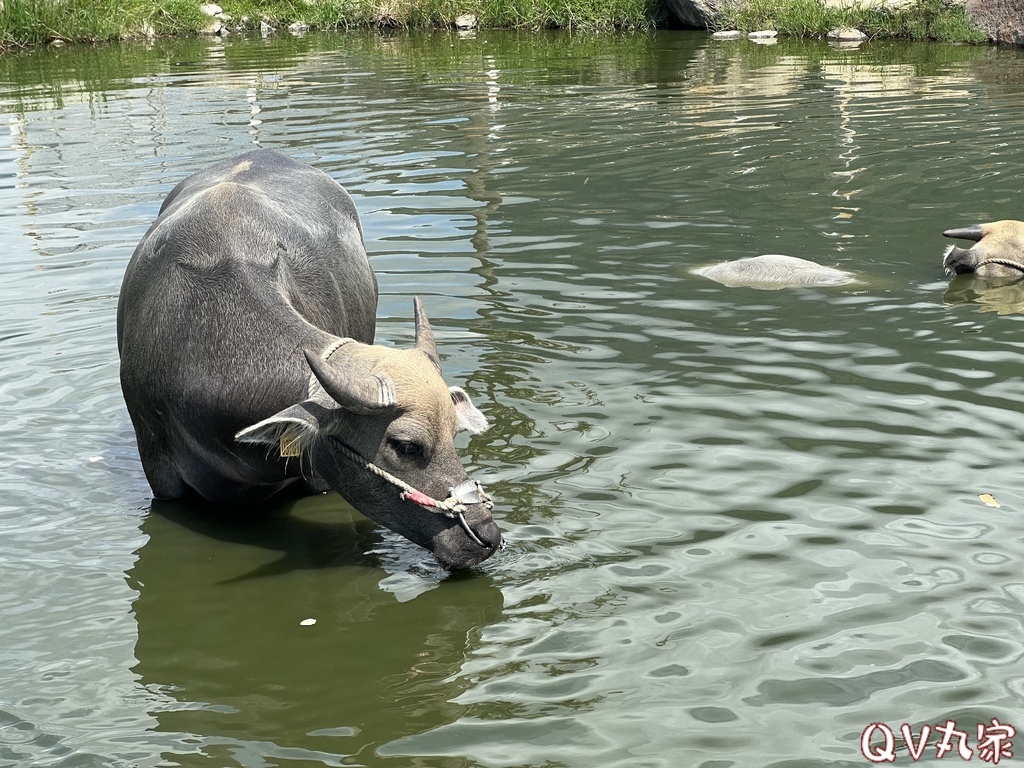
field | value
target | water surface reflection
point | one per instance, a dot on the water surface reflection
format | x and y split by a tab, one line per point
745	524
227	648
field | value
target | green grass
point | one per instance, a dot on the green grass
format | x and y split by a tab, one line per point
515	14
35	22
923	20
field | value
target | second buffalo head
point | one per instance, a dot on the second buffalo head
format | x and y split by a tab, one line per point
998	250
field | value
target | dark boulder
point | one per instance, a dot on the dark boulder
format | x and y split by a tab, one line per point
695	13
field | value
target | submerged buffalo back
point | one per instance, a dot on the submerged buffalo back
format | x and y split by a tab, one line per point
774	271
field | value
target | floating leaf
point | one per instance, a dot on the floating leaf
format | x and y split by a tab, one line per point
989	500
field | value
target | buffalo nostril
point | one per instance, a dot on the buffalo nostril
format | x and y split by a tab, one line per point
469	531
488	535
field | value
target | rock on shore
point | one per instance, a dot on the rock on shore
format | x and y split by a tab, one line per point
1002	21
695	13
702	14
218	19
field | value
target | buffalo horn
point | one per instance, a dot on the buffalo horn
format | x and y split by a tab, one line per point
359	394
965	233
424	335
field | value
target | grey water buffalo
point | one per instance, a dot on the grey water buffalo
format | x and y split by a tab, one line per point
774	271
998	250
245	327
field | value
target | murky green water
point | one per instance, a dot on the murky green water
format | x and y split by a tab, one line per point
745	524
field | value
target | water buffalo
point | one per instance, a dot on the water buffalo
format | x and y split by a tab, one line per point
245	327
774	271
998	250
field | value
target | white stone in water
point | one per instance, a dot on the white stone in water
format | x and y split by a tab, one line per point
211	9
846	35
298	28
774	271
307	622
465	21
762	34
727	34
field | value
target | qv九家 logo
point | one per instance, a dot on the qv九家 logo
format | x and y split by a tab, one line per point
879	743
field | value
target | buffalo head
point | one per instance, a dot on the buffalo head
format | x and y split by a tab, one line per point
379	426
998	250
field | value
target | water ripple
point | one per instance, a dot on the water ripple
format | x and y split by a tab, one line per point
731	510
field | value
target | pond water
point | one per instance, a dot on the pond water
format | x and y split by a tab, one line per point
744	524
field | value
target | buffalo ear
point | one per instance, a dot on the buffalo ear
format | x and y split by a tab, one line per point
291	431
365	395
470	419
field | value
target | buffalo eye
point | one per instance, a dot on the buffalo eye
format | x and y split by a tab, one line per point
406	449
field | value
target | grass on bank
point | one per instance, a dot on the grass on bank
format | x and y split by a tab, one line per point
923	20
35	22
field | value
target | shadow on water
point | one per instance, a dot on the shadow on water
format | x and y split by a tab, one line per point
302	543
226	644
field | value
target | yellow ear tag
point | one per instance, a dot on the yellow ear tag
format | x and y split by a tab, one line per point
290	444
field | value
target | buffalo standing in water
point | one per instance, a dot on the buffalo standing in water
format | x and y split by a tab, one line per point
998	250
245	327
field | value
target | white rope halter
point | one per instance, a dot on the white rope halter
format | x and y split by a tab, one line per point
1001	262
455	506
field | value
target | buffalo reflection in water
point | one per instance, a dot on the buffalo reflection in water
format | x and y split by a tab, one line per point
232	669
